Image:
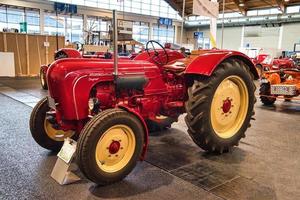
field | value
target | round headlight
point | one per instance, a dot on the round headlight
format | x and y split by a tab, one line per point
91	103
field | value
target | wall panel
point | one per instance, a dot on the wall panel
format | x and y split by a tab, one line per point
30	51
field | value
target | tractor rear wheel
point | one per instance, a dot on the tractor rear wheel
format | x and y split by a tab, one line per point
42	130
265	94
42	80
219	107
109	146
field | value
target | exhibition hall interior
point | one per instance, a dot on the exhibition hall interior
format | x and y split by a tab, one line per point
150	99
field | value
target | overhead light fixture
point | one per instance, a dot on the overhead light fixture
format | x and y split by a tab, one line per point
286	0
242	4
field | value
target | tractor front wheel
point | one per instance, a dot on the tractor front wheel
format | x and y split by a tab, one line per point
109	146
219	107
42	130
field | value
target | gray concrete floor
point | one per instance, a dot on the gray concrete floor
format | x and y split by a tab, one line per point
264	166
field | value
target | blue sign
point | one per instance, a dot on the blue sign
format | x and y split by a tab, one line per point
64	7
165	21
198	35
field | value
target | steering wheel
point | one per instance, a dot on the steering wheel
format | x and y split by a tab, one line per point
155	57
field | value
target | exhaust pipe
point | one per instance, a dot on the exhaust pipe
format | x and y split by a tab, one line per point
115	43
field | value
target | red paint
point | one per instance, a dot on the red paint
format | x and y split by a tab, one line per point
114	147
44	69
206	63
72	81
72	53
226	106
275	64
146	131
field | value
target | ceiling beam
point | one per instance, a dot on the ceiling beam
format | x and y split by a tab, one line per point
175	6
242	9
281	5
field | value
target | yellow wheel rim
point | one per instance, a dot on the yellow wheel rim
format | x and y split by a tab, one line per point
115	148
54	134
229	107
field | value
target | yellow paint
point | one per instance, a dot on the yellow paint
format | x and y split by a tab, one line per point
228	124
213	41
112	163
54	134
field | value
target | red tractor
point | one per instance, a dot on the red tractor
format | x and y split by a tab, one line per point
264	62
109	108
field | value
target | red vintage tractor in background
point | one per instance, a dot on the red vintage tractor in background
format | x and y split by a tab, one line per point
110	110
264	62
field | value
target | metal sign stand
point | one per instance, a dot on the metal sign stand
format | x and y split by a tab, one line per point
62	171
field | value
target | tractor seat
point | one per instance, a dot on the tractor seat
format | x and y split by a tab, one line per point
176	67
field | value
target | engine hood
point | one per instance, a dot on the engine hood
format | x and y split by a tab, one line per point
70	80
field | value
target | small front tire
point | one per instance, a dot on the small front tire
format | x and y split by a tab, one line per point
109	146
42	131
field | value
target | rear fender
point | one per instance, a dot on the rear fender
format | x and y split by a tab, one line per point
146	136
206	63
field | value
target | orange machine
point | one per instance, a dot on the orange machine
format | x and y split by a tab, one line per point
284	83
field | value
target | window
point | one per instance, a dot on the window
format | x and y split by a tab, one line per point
263	12
144	7
71	26
54	24
97	30
252	13
11	17
3	18
14	17
33	21
293	9
203	43
74	28
140	32
163	34
275	11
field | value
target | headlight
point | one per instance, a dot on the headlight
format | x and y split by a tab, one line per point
91	103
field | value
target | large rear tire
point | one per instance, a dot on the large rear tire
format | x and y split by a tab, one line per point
109	146
265	94
43	132
219	107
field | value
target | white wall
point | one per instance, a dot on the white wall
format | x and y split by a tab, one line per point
232	38
265	37
268	38
291	35
7	67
